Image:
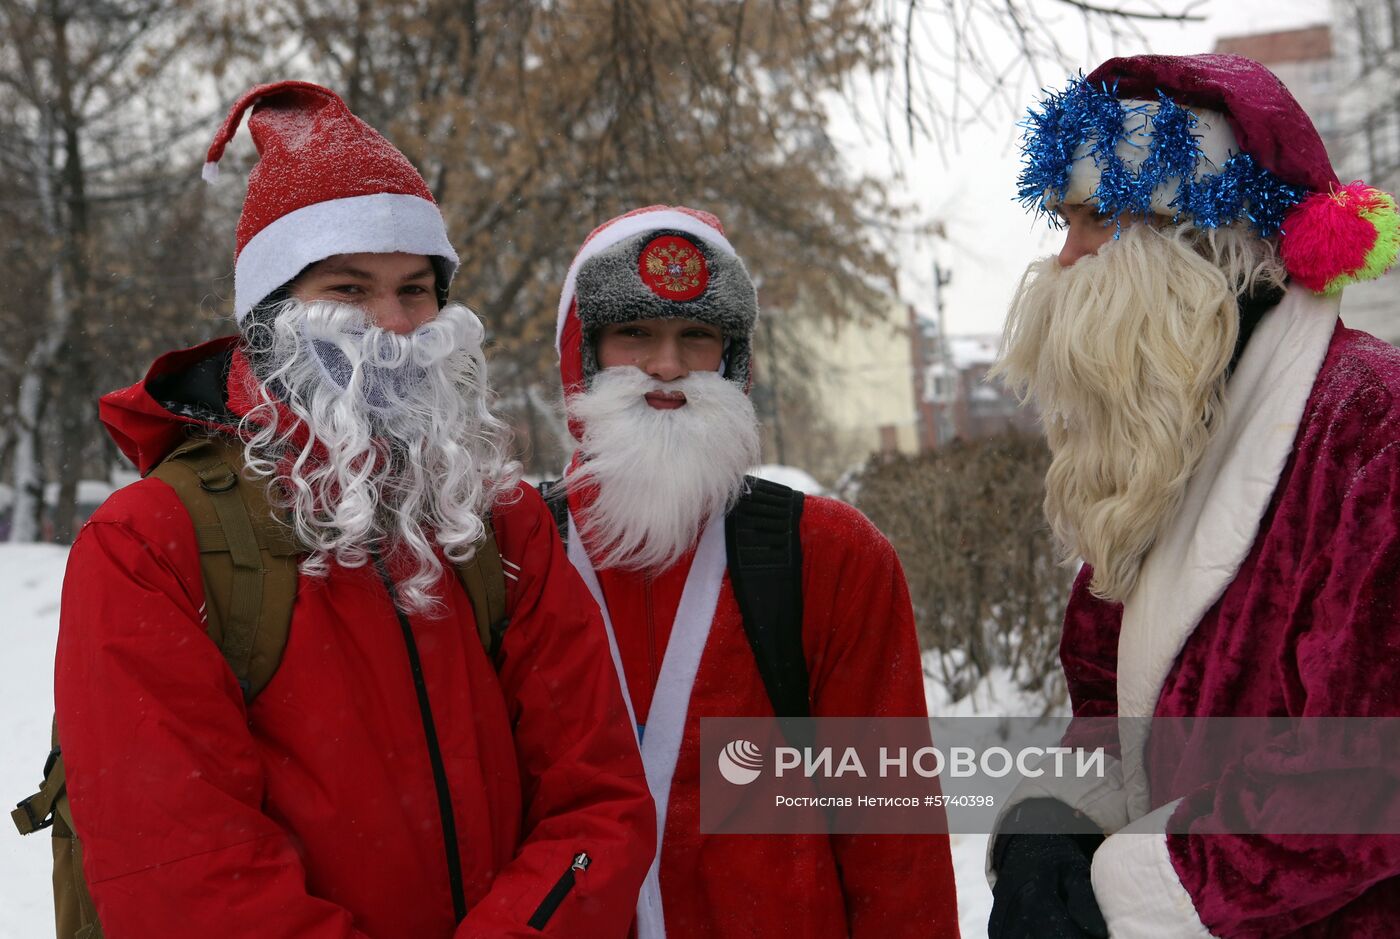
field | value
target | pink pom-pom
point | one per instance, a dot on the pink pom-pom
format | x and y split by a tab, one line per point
1328	237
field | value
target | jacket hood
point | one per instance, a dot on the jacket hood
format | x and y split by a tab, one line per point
183	391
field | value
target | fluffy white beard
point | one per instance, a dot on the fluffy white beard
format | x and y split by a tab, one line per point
1125	354
654	478
411	456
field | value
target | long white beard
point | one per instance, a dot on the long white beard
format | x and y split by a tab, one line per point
653	477
403	454
1125	353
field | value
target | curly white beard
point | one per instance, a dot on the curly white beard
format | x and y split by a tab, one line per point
654	478
403	452
1125	353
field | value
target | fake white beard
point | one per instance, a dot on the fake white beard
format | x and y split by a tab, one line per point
1125	354
413	457
656	477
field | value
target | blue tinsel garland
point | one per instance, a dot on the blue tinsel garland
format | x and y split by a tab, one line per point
1082	113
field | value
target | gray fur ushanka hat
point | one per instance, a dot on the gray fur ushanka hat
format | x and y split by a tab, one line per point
659	262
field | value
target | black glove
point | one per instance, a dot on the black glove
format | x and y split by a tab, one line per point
1043	890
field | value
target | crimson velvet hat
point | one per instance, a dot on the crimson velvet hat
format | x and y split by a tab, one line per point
1212	140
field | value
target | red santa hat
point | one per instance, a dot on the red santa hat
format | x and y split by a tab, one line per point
1211	139
652	263
326	183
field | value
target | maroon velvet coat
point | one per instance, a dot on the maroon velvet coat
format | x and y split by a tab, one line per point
1305	626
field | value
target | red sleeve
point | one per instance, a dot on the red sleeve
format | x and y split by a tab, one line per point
585	789
1349	665
164	783
859	635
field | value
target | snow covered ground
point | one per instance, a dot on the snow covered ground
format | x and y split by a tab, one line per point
790	476
997	694
30	581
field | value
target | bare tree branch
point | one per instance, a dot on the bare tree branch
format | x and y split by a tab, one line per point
1179	16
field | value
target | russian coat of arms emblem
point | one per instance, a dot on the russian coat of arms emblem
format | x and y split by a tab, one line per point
673	268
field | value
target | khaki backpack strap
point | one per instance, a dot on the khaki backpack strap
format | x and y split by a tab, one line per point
40	810
248	559
220	481
483	577
75	915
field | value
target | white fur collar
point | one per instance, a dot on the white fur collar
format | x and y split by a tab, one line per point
1195	559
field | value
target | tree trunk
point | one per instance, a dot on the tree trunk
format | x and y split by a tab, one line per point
560	443
8	435
34	387
774	382
534	462
73	429
70	344
28	474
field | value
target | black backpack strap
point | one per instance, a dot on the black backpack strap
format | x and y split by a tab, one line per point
554	495
764	546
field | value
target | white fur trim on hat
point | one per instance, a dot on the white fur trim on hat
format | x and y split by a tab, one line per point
380	223
626	227
1212	131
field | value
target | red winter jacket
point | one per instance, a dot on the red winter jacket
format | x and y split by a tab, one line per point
313	812
863	659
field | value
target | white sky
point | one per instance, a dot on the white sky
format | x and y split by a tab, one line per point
990	237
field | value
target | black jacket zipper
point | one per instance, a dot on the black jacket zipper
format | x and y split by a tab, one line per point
444	794
559	891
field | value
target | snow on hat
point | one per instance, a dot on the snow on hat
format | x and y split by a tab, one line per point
656	262
326	183
1210	139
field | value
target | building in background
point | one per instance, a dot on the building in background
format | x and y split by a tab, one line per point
964	403
1304	60
935	380
1367	51
833	392
1346	75
956	399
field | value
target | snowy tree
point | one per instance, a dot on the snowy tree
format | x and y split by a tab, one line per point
82	146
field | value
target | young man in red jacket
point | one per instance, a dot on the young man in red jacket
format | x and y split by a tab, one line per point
654	334
390	780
